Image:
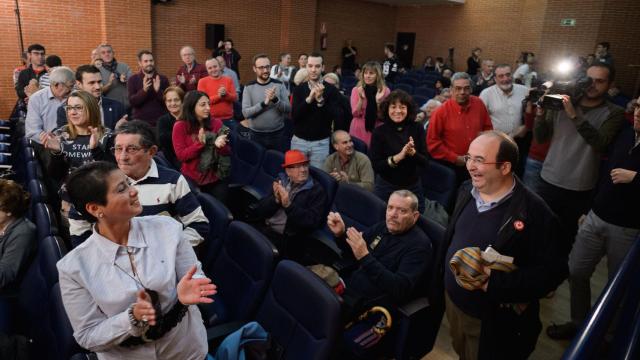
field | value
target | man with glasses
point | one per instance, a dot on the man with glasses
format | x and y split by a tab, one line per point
161	191
493	311
89	79
265	105
28	78
455	124
42	113
191	72
295	207
114	75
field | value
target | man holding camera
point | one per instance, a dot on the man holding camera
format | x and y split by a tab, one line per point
580	133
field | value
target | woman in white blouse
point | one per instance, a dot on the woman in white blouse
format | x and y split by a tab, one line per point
129	289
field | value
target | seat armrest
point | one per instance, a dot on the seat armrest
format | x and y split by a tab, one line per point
326	238
253	191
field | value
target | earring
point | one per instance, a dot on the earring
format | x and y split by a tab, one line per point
101	215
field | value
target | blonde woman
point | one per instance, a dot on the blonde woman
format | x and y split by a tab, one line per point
72	144
365	100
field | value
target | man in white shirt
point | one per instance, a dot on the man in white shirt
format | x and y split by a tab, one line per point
504	102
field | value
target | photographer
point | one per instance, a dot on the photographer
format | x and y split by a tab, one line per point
579	134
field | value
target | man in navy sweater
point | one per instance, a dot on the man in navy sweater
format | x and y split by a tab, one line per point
391	256
499	318
610	228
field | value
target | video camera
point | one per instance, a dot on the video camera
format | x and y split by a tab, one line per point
548	95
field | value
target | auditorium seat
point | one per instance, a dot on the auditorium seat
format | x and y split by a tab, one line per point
34	170
328	183
404	87
439	183
38	192
428	92
242	273
262	183
246	158
219	219
417	322
419	100
45	221
61	344
408	80
34	295
301	313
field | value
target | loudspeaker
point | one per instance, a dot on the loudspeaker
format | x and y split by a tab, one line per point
214	34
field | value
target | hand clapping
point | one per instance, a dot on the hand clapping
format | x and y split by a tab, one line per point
195	291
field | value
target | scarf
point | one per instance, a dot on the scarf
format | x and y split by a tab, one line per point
371	112
112	66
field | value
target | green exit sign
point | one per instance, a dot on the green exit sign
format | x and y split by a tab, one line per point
568	22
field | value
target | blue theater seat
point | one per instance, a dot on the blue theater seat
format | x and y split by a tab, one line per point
246	158
45	221
404	87
301	313
219	219
242	273
425	91
439	183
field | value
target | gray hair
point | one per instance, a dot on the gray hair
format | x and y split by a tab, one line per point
445	90
335	133
411	196
61	75
333	77
188	47
500	66
459	76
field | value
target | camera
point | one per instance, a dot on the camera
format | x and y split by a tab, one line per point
548	95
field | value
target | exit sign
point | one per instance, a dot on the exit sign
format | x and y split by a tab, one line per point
568	22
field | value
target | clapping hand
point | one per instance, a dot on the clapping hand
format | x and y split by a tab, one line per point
50	141
143	308
379	96
93	139
146	84
335	223
222	91
195	291
269	94
202	136
156	83
357	243
181	79
409	148
622	176
221	141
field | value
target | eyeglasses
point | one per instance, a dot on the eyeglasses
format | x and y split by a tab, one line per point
265	67
131	149
462	89
70	108
478	160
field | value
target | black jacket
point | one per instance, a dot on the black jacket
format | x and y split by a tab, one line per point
310	121
305	213
532	235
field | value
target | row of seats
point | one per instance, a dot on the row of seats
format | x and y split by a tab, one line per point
5	145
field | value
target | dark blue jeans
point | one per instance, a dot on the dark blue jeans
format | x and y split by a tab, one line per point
271	140
383	189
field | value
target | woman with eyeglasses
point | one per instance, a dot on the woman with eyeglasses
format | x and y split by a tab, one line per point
71	145
201	144
173	97
129	289
398	148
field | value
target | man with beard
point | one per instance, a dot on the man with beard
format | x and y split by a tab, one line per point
114	75
315	106
580	134
145	90
265	105
504	104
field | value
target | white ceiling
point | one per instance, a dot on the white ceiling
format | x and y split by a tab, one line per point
418	2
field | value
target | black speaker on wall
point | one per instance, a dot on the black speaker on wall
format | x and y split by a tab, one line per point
214	34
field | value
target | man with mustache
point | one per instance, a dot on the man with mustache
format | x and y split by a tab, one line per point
390	256
145	90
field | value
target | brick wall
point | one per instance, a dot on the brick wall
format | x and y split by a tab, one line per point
70	30
503	28
369	25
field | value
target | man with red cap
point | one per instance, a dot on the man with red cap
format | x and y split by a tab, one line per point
295	207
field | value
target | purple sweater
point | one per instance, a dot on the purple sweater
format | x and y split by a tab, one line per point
147	106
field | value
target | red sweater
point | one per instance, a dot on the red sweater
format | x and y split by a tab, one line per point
452	128
537	151
221	106
188	149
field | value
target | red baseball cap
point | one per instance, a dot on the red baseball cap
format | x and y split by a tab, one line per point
294	157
